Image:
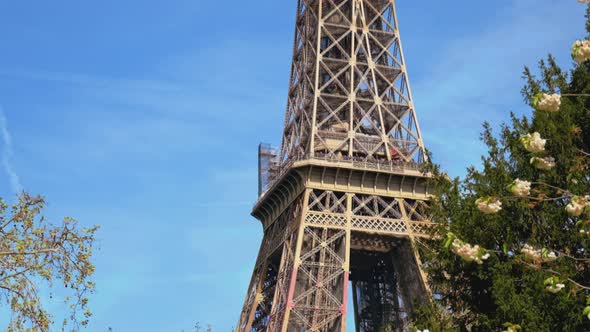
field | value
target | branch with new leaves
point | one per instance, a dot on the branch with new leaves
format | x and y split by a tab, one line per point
34	252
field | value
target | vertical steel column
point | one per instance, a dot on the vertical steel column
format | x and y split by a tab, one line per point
296	263
316	97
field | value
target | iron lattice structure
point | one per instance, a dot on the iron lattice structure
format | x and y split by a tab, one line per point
343	201
349	95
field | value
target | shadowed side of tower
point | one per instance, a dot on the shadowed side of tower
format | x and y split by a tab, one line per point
343	200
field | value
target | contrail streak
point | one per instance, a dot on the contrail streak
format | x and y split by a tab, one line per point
7	153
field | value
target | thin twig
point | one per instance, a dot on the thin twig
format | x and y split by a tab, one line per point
8	222
22	272
26	253
551	186
536	267
535	198
12	290
562	254
576	95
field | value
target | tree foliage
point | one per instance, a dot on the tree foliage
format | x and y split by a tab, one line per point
36	256
536	277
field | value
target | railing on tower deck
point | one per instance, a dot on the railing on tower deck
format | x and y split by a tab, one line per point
355	162
363	163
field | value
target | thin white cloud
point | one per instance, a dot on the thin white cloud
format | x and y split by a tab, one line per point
477	76
7	154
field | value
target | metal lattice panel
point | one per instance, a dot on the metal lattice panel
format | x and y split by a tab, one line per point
269	275
327	201
303	290
376	206
284	278
379	225
323	219
417	210
422	229
349	95
275	235
318	297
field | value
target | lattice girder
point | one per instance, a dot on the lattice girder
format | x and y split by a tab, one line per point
309	285
349	94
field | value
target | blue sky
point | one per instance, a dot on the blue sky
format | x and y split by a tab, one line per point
144	117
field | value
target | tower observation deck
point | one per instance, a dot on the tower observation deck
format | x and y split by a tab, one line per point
343	199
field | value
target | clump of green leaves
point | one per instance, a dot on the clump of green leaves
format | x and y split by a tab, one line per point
35	253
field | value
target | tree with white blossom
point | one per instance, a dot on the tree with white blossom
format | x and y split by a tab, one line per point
512	249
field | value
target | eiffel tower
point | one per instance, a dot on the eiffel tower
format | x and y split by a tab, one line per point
343	200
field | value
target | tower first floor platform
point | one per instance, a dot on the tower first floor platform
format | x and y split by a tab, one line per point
334	226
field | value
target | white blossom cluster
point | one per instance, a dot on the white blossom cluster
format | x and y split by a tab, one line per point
468	252
489	205
520	188
545	164
547	103
538	255
555	288
423	330
581	50
533	142
553	285
578	205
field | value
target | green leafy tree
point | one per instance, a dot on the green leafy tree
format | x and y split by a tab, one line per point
36	256
512	249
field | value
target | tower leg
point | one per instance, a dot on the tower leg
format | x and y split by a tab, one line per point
252	298
320	244
280	300
319	279
268	273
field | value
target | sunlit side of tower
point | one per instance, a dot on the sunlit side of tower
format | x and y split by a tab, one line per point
343	200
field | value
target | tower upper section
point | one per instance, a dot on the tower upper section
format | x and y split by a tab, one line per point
349	95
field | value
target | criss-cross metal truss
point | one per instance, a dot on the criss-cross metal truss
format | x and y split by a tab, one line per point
318	221
343	201
349	95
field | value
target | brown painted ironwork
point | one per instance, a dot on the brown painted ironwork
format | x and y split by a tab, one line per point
343	201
